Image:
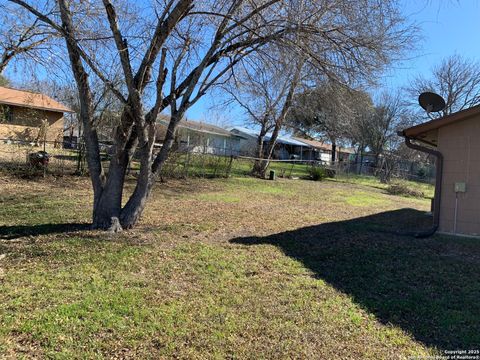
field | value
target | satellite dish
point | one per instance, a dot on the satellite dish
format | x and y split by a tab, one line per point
431	102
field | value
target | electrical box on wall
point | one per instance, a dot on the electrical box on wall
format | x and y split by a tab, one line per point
460	187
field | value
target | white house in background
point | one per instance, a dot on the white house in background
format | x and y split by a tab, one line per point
199	137
287	148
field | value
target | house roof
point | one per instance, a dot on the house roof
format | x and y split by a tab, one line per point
292	140
316	144
428	131
197	126
281	139
324	146
30	100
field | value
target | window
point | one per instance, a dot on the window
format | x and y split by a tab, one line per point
5	114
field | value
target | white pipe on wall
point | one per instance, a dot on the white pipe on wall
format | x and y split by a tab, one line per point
455	216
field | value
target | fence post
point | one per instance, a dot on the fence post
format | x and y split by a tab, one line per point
229	167
186	165
216	165
291	169
81	157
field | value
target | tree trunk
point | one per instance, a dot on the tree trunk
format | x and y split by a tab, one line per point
6	57
377	160
109	204
257	166
86	110
281	118
272	143
106	209
262	167
361	161
135	205
377	165
334	152
149	171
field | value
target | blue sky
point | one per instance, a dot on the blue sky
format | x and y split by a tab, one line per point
447	27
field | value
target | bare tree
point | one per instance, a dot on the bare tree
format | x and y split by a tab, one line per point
173	53
280	118
263	87
21	35
381	131
456	79
257	91
377	131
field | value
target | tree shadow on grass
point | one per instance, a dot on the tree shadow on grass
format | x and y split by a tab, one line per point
428	287
18	231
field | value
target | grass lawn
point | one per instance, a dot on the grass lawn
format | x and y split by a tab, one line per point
238	268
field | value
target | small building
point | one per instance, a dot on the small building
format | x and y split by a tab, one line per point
454	141
23	113
321	151
199	137
287	148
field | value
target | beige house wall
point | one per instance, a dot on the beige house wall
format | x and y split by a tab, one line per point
25	124
460	145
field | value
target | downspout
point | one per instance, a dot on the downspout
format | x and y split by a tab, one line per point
438	183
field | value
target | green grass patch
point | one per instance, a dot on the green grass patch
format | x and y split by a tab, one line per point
248	184
365	199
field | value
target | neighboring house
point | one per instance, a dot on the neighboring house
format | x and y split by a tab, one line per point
248	140
22	114
454	140
323	152
317	150
286	148
200	137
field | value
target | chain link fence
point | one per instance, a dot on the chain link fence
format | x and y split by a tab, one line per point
24	159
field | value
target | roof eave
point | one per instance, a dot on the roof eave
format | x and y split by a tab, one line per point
185	126
434	124
416	138
66	110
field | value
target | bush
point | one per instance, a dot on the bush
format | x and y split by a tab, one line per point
318	173
404	190
422	172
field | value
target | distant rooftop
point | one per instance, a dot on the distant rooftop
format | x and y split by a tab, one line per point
281	139
294	140
324	146
31	100
316	144
196	126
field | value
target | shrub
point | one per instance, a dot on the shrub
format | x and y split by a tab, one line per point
404	190
422	172
318	173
